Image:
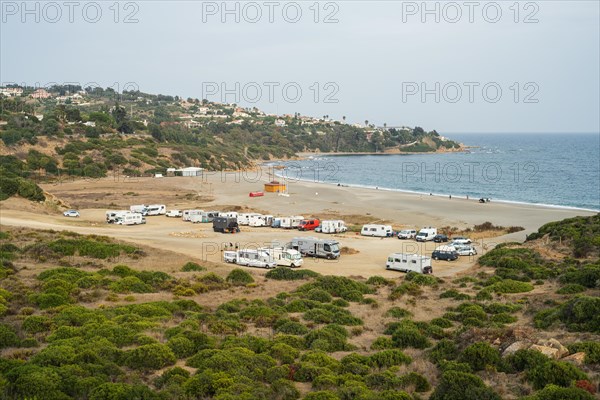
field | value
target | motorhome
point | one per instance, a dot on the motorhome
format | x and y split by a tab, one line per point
174	213
244	218
311	246
112	216
228	214
331	226
260	220
377	230
409	262
426	234
291	222
407	234
308	224
130	219
139	208
250	257
225	225
188	213
285	257
156	209
203	217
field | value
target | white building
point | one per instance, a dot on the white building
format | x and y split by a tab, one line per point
188	171
279	122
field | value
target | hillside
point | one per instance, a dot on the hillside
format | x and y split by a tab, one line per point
95	132
87	317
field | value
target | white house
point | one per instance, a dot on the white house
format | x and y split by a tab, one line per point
279	122
188	171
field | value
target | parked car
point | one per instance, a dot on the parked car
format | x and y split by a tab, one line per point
440	238
407	234
71	213
461	240
466	250
446	253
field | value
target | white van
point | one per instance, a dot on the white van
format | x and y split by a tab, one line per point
139	208
284	257
188	213
131	219
426	234
291	222
409	262
156	209
174	213
377	230
332	226
250	257
407	234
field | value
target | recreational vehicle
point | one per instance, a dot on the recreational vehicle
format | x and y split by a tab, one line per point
113	216
426	234
260	220
409	262
291	222
284	257
407	234
140	208
188	213
311	246
228	214
244	218
225	225
174	213
308	224
249	257
131	219
156	209
377	230
331	226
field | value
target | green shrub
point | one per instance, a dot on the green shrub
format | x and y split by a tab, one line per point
398	312
36	324
239	277
338	286
130	284
377	280
503	318
181	346
456	385
571	288
319	295
151	356
408	335
290	327
382	343
554	372
8	336
422	279
591	350
553	392
416	380
454	294
192	266
512	286
330	338
321	395
581	314
50	300
410	288
388	358
443	350
525	360
480	356
441	322
288	274
587	275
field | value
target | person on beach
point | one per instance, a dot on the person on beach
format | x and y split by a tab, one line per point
450	197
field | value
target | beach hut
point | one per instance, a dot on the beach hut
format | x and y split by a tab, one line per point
274	186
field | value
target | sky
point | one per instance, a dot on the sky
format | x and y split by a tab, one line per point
457	67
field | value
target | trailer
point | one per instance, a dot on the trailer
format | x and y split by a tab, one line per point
225	225
426	234
188	213
250	258
409	262
284	257
291	222
377	230
314	247
139	208
156	209
332	226
131	219
260	220
113	216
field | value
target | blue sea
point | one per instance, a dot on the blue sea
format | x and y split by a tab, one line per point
547	169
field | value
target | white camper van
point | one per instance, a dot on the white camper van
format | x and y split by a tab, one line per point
426	234
156	209
188	213
409	262
311	246
260	220
284	257
139	208
113	216
377	230
228	214
249	257
131	219
332	226
174	213
291	222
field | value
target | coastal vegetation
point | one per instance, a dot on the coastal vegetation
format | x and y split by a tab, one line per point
77	322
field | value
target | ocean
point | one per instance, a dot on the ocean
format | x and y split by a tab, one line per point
561	170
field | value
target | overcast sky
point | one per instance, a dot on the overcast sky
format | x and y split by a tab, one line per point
481	67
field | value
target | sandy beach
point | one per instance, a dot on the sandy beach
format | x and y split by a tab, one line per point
229	191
